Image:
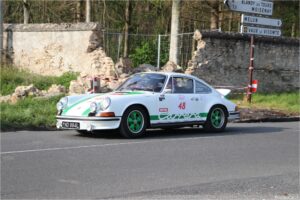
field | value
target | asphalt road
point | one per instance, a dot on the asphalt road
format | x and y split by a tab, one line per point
248	161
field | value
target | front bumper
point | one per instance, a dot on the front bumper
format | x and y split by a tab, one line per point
233	116
90	123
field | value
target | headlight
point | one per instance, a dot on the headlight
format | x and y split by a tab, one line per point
62	103
93	107
104	103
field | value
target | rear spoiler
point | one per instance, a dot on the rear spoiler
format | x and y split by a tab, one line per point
224	92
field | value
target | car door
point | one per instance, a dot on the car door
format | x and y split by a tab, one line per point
177	103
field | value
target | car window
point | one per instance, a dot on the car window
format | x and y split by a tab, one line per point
201	88
183	85
145	82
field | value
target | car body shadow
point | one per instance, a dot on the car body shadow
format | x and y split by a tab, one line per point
186	132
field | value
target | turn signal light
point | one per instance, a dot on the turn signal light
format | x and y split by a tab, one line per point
107	114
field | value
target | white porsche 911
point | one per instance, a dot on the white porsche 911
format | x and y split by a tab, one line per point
149	100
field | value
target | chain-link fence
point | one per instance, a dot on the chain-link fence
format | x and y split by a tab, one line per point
150	49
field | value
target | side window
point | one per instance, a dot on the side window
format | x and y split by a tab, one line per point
201	88
183	85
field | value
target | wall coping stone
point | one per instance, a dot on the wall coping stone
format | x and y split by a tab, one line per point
246	37
50	27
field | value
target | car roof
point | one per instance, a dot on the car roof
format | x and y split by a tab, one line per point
172	74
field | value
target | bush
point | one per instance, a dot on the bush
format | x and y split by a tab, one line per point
29	113
147	53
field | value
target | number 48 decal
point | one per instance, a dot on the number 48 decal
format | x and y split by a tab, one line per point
181	106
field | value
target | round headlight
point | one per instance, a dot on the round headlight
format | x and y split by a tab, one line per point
93	107
104	103
62	103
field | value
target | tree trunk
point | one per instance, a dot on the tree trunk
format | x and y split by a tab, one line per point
220	16
126	28
88	11
78	11
26	12
230	21
1	32
214	14
174	32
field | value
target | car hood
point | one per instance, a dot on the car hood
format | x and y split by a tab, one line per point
80	105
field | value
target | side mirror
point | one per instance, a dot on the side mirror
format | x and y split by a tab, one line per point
167	91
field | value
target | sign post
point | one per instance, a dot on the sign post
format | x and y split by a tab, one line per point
255	25
250	70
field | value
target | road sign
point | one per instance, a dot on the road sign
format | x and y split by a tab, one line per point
247	19
260	31
251	6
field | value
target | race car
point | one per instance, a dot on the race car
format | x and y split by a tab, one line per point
149	100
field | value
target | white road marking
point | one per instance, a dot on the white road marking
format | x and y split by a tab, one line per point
98	145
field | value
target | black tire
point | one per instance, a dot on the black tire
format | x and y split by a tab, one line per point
216	120
134	122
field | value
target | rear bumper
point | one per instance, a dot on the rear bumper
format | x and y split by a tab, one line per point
233	116
89	123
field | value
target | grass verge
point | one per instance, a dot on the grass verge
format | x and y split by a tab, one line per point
29	113
12	77
286	102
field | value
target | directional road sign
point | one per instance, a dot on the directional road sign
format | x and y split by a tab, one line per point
251	6
247	19
260	31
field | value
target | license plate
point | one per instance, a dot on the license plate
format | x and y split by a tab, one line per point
73	125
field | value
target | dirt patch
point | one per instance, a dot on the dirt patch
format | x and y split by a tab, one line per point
265	115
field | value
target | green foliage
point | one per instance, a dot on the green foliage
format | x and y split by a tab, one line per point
29	113
147	53
143	54
287	102
12	77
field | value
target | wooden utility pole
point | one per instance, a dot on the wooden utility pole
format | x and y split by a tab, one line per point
26	12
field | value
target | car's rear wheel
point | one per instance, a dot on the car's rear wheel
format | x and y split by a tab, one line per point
134	122
216	120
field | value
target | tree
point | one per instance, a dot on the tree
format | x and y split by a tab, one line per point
174	31
126	28
214	14
88	11
1	31
26	11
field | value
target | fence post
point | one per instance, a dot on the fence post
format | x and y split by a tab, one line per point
158	51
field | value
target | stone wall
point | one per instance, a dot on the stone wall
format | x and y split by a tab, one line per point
52	49
223	59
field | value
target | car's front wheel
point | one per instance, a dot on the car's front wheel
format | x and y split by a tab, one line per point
216	120
134	122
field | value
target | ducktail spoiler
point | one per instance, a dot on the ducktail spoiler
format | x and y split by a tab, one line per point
224	92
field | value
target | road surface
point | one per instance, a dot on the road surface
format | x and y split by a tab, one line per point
248	161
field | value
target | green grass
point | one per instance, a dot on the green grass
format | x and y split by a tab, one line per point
29	113
286	102
12	77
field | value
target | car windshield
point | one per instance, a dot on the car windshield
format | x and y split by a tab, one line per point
144	82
